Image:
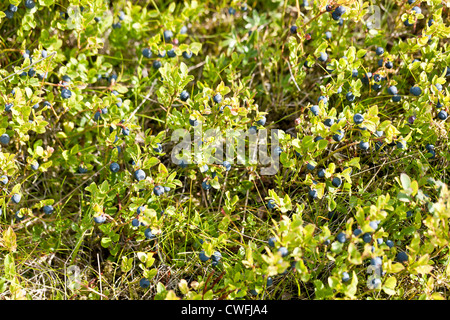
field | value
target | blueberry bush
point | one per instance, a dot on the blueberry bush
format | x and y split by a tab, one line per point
94	204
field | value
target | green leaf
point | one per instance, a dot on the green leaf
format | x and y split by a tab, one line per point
106	242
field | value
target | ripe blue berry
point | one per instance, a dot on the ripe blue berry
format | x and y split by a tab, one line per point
345	276
4	139
187	55
402	257
358	118
146	52
206	185
158	190
271	241
48	209
415	90
203	257
114	167
350	97
66	93
144	283
157	64
323	57
262	121
139	174
217	98
100	219
336	182
341	237
184	95
367	237
148	234
363	145
379	51
30	4
315	110
283	251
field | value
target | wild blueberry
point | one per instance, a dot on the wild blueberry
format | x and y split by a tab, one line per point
271	241
336	182
48	209
373	225
114	167
363	145
30	4
139	174
66	93
415	90
315	110
322	98
350	97
157	64
358	118
293	29
4	179
396	98
417	10
158	190
323	57
345	276
217	98
135	222
146	52
321	173
341	237
312	193
392	90
144	283
184	95
171	53
379	51
357	232
158	148
262	121
328	122
328	35
8	106
442	115
310	166
402	257
271	204
203	257
367	237
35	165
389	243
9	14
168	35
148	234
187	55
4	139
283	251
100	219
206	185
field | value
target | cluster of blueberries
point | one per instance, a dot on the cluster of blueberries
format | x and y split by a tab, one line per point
29	4
167	36
402	256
